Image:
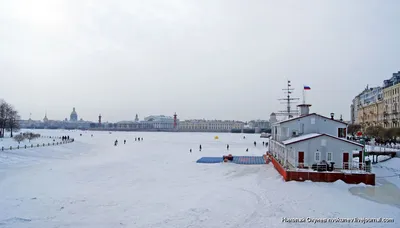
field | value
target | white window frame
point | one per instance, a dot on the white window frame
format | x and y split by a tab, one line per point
319	156
312	120
327	157
323	142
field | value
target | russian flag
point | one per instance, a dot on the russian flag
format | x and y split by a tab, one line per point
307	88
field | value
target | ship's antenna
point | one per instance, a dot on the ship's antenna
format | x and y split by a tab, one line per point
288	100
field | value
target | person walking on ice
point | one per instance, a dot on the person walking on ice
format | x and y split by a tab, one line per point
255	144
200	147
227	147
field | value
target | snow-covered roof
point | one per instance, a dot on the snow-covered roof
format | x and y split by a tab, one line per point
315	135
301	138
159	118
345	140
311	114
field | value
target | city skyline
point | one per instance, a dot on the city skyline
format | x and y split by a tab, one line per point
200	59
132	119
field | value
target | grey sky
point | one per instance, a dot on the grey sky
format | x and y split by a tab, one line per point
223	59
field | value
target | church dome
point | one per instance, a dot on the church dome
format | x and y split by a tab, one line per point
273	114
74	115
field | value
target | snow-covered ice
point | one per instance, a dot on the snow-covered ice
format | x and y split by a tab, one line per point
387	189
156	183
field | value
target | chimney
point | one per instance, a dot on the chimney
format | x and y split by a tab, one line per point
332	115
304	109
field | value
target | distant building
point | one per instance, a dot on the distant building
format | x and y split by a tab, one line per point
371	95
153	123
262	124
160	122
129	126
391	106
378	106
45	119
364	109
74	123
73	116
395	79
272	118
209	125
259	125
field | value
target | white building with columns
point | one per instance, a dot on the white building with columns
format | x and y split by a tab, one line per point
160	122
210	125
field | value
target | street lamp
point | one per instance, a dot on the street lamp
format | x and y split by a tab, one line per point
362	141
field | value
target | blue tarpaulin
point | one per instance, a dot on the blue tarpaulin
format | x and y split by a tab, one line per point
210	160
245	160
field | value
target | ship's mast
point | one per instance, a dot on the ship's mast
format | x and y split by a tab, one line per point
288	100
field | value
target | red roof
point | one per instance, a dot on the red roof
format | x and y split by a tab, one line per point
341	139
312	114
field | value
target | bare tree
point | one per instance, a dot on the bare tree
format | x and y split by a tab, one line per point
12	122
374	131
30	136
9	118
352	129
4	107
19	138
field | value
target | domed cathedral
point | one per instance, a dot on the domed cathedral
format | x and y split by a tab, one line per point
45	119
73	116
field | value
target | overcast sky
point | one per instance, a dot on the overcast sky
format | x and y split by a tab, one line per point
213	59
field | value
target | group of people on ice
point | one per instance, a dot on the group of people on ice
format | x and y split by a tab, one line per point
227	146
136	139
65	138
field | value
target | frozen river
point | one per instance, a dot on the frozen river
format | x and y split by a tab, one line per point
156	183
